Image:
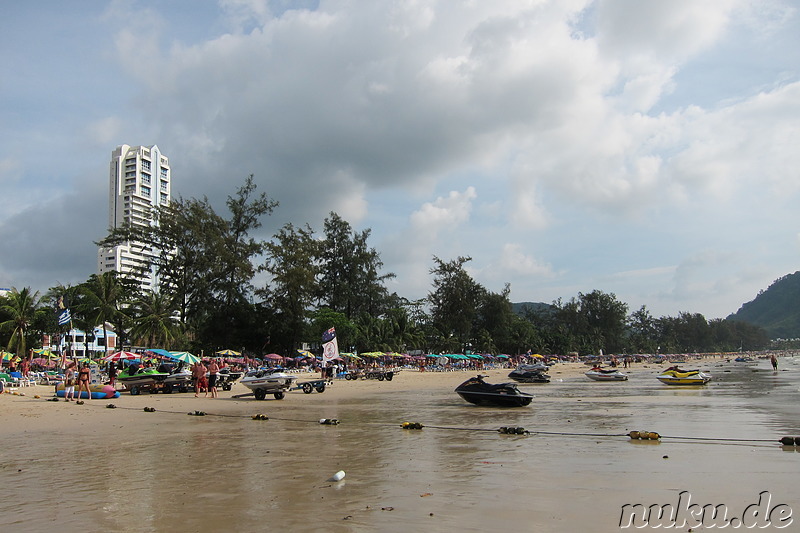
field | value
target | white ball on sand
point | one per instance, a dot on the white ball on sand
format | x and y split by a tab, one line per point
338	476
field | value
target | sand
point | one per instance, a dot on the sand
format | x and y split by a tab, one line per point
71	467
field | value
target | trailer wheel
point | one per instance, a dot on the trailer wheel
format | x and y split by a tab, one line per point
135	390
279	395
380	377
389	376
348	377
321	388
307	388
226	386
168	389
184	389
260	394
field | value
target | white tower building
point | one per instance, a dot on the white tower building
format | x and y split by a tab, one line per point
139	182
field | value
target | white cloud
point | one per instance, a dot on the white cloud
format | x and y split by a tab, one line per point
590	128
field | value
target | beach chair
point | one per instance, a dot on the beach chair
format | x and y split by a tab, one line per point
20	380
8	382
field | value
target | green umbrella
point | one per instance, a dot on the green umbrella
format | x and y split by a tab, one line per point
186	357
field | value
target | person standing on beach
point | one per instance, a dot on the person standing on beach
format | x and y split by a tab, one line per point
69	383
213	370
84	378
198	376
112	373
774	361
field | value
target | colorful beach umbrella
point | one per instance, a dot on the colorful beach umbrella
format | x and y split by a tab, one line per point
185	357
6	356
228	352
121	356
274	357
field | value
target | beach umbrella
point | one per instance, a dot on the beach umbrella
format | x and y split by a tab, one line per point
159	351
121	356
305	353
185	357
228	352
274	357
5	356
44	352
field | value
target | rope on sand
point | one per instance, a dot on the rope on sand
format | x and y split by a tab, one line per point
506	430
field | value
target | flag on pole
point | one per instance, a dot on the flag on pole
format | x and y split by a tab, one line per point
330	348
64	317
330	351
329	335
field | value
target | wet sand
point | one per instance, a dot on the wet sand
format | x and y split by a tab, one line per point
70	468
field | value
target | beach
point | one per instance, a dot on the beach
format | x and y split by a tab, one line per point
71	467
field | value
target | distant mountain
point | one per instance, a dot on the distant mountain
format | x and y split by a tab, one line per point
521	307
776	309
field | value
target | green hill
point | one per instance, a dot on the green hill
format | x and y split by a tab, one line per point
776	309
520	308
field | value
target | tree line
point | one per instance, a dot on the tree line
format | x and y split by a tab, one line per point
206	298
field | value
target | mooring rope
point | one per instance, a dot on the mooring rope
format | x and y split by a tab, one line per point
510	430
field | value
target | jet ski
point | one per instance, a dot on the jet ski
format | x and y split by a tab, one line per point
268	381
478	392
530	374
136	375
675	375
606	374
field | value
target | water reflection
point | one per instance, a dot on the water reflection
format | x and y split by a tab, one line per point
225	473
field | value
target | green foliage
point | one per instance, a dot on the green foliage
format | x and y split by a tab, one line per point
777	309
291	261
349	280
454	300
19	309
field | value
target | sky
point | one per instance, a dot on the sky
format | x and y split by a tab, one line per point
642	148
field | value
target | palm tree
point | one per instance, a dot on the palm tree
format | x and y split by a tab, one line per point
21	307
103	295
154	319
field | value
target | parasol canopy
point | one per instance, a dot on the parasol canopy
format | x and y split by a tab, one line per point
228	352
121	356
185	357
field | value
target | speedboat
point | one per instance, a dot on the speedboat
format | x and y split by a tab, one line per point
675	375
530	374
268	381
606	374
478	392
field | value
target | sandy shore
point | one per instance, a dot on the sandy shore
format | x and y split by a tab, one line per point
23	412
575	471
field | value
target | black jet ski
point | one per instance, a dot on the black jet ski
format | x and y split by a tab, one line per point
530	374
478	392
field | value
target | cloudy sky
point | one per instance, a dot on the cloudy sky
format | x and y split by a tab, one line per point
644	148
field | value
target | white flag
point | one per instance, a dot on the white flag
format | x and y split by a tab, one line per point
330	351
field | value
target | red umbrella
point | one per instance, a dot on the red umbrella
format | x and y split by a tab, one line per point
273	356
122	356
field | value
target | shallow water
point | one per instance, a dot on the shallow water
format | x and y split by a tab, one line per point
216	473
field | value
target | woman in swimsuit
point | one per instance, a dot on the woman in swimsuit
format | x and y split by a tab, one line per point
84	378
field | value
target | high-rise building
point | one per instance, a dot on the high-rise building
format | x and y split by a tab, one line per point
139	182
